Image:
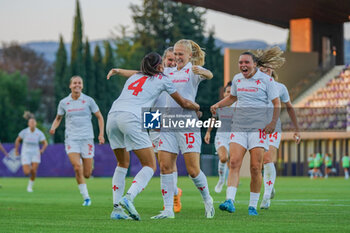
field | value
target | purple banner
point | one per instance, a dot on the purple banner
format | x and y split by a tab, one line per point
55	162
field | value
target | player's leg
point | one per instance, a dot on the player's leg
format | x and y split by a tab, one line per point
118	182
75	160
148	162
116	140
33	172
237	152
346	173
223	157
256	160
269	176
166	164
177	191
192	161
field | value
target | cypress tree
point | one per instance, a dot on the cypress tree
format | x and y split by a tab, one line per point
90	81
112	87
77	65
100	81
61	83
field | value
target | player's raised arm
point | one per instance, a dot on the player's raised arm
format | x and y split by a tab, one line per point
121	72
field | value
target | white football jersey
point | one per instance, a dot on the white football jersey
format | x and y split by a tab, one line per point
254	96
31	141
141	91
284	97
78	116
185	81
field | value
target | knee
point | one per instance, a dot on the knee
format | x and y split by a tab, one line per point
26	172
77	168
255	170
165	168
87	175
234	164
223	159
193	172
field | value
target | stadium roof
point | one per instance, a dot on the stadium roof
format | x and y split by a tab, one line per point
280	12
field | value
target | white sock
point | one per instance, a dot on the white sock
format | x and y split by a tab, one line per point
346	175
254	198
269	179
221	171
118	184
167	187
140	181
175	183
231	193
84	191
31	183
202	184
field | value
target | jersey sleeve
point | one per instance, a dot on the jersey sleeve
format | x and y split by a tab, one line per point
284	94
22	134
60	109
234	86
93	106
271	89
168	85
41	136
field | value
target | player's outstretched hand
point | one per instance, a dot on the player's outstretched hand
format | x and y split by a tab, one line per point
213	109
112	72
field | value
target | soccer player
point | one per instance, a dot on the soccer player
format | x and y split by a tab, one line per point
311	165
79	135
168	61
318	160
186	76
125	133
253	90
270	60
222	138
328	162
30	152
346	164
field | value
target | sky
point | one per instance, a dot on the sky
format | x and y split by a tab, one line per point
44	20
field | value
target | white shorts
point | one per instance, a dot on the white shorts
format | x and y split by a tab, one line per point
174	142
29	158
250	140
275	139
154	136
124	131
85	147
222	139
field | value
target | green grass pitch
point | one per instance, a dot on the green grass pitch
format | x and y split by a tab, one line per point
300	205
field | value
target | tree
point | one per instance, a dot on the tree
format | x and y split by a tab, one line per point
90	81
61	68
14	100
159	24
15	58
61	83
100	81
113	88
77	65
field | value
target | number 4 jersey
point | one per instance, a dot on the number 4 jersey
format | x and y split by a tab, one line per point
141	91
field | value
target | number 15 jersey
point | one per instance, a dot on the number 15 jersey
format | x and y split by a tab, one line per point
141	91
